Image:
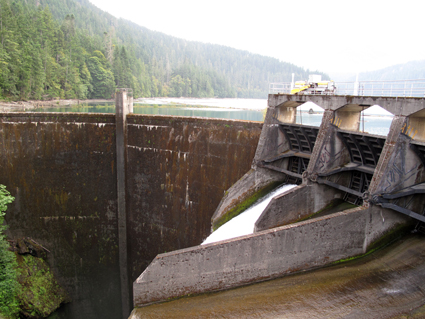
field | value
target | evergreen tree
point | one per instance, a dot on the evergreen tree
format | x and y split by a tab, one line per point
46	52
8	280
102	77
10	54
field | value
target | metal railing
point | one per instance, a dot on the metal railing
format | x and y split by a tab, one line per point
400	88
282	87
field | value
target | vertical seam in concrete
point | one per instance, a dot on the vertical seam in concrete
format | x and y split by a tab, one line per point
367	230
121	109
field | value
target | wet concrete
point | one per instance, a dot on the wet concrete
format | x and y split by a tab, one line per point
389	283
178	170
61	169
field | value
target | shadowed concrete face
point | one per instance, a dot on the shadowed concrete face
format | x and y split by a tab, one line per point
179	169
62	169
416	127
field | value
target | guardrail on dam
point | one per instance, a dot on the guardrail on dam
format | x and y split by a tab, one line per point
356	191
62	170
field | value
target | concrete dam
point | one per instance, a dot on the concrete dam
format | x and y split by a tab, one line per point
356	193
63	170
122	201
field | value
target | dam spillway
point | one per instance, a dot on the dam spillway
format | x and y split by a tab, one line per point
244	223
381	178
380	285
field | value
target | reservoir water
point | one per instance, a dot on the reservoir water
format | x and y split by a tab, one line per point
374	120
243	109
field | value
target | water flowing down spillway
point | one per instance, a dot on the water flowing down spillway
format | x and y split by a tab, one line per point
244	223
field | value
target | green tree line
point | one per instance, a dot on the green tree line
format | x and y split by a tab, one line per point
72	49
9	305
41	58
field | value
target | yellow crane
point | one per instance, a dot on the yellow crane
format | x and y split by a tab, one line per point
314	85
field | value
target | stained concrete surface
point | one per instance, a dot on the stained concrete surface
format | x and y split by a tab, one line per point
178	170
389	283
61	168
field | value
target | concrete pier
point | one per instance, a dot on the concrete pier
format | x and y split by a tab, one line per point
123	107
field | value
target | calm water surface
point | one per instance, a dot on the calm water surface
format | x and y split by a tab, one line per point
378	125
174	110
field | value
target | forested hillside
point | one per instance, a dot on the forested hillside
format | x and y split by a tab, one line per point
71	49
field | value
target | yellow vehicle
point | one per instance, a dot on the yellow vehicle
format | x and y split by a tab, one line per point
314	85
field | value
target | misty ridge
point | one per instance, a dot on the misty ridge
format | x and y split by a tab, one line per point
407	71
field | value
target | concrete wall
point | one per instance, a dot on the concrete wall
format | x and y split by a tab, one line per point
306	200
178	170
258	257
62	169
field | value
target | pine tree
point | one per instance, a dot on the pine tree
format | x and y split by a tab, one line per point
102	76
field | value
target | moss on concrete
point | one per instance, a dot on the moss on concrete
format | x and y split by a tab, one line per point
245	204
336	205
39	294
391	236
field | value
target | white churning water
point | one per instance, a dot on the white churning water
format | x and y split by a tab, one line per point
244	223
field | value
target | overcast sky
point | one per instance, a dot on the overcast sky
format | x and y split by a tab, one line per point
329	36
